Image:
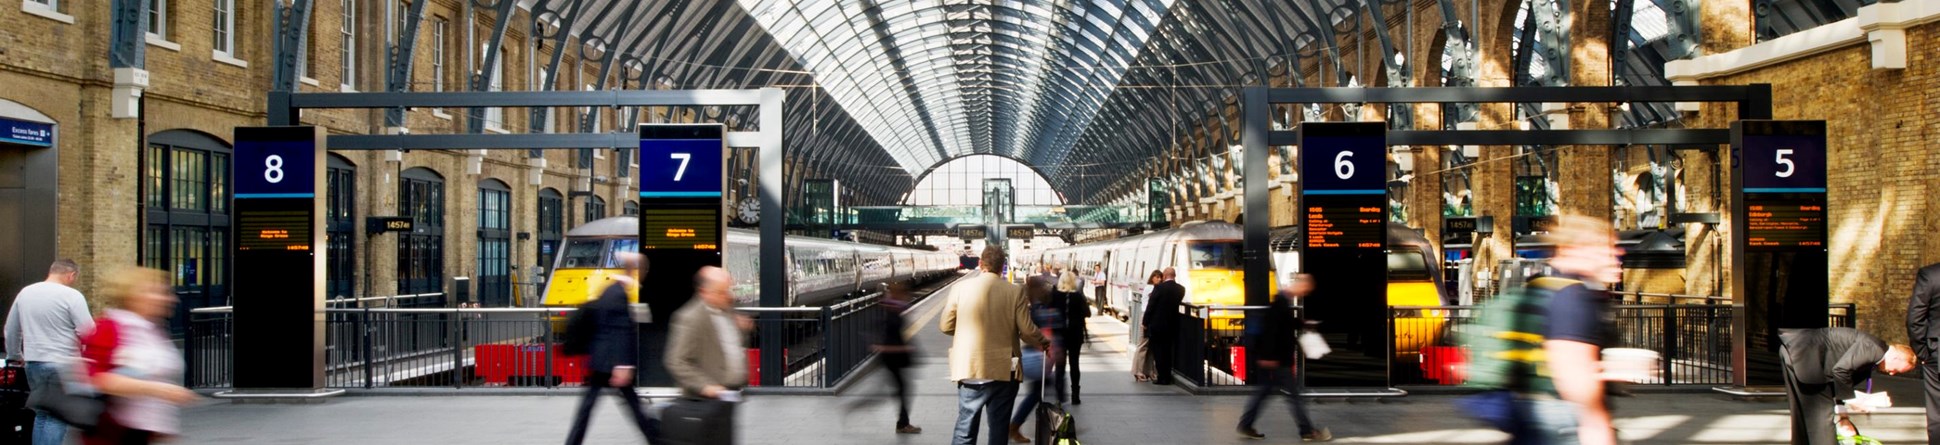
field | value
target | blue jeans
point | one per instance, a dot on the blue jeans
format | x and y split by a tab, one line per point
46	376
1544	421
992	400
1274	380
1033	395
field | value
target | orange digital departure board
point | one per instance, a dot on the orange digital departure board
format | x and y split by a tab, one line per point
1784	223
1332	224
680	228
273	230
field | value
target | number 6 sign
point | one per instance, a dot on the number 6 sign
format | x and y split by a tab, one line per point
1343	158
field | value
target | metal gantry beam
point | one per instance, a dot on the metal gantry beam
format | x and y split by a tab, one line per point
481	80
397	75
293	31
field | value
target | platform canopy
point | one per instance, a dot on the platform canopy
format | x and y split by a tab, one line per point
1086	91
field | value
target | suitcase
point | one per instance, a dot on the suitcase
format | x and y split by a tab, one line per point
1055	426
697	422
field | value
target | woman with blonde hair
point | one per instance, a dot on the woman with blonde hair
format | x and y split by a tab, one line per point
130	358
1069	300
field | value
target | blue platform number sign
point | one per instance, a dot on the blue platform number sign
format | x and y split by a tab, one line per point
1343	159
680	168
276	167
1783	157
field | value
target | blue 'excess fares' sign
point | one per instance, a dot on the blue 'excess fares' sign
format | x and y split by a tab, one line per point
1343	165
681	168
1784	163
275	169
26	133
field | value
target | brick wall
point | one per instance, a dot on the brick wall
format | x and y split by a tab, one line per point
1882	181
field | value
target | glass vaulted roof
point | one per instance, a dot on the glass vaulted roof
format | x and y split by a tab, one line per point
932	80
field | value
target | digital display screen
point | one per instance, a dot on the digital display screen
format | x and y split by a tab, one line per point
687	227
1345	221
1784	222
273	230
1343	157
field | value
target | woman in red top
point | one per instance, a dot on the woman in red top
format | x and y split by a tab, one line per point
130	358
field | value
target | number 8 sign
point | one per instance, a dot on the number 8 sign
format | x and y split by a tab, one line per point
276	162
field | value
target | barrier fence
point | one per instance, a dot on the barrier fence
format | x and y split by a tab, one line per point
1693	341
375	347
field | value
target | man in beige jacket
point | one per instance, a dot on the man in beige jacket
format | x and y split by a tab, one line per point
704	348
988	318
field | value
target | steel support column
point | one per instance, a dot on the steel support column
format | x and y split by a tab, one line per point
1257	115
481	80
398	76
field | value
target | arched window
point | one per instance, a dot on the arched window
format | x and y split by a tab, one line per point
494	243
595	209
632	209
960	182
421	252
340	223
186	200
552	224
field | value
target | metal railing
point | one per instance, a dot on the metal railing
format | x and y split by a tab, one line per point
1693	341
464	347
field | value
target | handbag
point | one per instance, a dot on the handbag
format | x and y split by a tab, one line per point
78	408
1313	345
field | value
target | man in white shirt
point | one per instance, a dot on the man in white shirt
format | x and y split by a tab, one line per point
43	330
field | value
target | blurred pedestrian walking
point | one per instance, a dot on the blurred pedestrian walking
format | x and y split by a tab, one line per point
1033	363
614	347
707	355
987	318
1072	310
1923	331
896	352
43	330
1274	347
130	358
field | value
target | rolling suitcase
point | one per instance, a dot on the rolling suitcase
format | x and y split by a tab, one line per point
1055	426
697	422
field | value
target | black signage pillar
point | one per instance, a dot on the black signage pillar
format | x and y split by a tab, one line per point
279	241
682	178
1778	235
1344	216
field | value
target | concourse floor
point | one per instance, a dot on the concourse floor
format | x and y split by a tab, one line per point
1117	411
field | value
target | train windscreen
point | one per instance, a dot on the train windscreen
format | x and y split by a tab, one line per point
619	246
1407	265
583	254
1213	255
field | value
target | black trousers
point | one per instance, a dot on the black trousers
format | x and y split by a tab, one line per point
595	383
1165	348
1930	373
902	393
1070	369
1811	406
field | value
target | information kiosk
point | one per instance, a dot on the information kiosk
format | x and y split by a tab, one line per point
1778	239
1344	215
682	178
279	262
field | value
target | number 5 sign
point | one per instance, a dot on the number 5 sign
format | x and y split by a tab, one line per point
1780	156
277	162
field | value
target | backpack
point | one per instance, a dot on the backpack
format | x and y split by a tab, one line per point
1505	339
579	331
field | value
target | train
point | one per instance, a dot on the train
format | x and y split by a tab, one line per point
1206	255
820	271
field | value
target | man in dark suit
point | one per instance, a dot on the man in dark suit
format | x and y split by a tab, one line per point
1823	366
1162	323
614	349
1922	313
